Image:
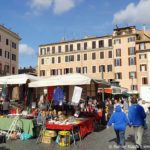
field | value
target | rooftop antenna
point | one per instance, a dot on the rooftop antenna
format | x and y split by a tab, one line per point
117	26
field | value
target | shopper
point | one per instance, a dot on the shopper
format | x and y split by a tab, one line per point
137	117
120	121
5	106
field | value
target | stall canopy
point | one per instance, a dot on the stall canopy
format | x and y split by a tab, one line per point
17	79
62	80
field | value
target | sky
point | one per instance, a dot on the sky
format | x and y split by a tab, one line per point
47	21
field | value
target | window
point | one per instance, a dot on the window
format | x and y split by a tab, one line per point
42	73
84	70
0	52
66	48
59	59
41	51
14	45
85	56
59	49
53	72
93	44
132	61
93	56
118	52
71	47
101	55
117	41
85	45
53	50
14	57
0	38
109	54
48	50
133	87
66	70
71	58
7	54
78	46
53	60
6	68
102	68
7	42
13	70
93	69
59	71
66	59
131	39
101	43
118	75
142	56
131	51
78	70
142	46
143	67
132	75
118	62
42	61
78	57
110	42
109	68
144	80
0	67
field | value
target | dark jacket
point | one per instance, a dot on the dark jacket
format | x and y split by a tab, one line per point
136	115
119	119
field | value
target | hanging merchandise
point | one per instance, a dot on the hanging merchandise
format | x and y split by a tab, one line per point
58	95
4	91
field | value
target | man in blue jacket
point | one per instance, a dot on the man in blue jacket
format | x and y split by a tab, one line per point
120	121
137	117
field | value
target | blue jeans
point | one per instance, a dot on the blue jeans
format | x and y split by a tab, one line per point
120	137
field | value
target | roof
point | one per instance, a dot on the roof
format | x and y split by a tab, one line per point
75	40
17	79
124	28
10	32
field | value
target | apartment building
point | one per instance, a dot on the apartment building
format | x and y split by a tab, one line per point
9	49
117	56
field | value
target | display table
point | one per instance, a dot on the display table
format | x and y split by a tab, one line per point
25	124
86	126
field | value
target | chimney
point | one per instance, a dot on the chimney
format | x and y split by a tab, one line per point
144	28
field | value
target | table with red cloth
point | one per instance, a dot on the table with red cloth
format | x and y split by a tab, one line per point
86	126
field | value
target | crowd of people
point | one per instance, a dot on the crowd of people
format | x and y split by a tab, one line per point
132	113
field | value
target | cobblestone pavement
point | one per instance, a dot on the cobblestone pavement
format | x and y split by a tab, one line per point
100	140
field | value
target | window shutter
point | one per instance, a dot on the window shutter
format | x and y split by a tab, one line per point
145	67
134	60
120	62
134	51
128	51
139	56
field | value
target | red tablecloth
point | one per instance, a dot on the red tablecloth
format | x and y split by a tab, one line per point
85	126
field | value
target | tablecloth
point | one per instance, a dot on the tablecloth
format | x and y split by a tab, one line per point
85	126
25	124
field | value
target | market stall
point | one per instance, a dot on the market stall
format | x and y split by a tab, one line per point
85	111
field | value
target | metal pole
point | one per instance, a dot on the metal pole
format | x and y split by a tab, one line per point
102	78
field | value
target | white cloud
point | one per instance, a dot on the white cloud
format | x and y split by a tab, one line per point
58	6
41	4
134	13
61	6
26	49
